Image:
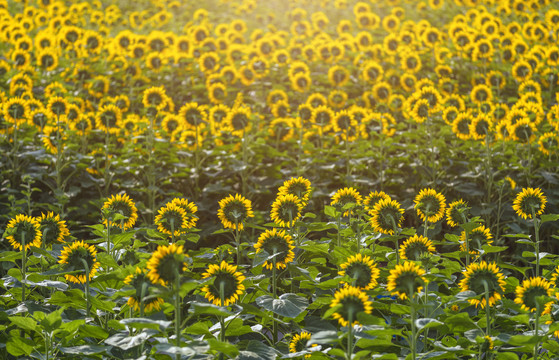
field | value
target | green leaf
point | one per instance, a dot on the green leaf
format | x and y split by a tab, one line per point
257	350
521	340
52	321
426	323
124	341
85	349
144	323
460	322
493	249
549	217
25	323
93	331
223	347
506	356
323	337
18	346
10	256
199	308
288	305
330	211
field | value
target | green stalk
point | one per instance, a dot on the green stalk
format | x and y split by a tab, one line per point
467	247
487	309
397	235
23	266
339	223
537	345
347	154
177	310
358	232
413	328
238	243
87	296
425	227
537	245
109	238
47	347
274	292
349	350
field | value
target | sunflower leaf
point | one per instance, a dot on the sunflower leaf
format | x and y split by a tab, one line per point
288	305
549	217
323	337
427	323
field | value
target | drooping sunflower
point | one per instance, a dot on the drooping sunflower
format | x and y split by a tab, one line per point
234	210
386	216
53	229
71	258
350	301
416	247
165	263
190	209
286	210
123	205
226	285
529	202
276	242
346	196
430	204
530	290
299	343
299	187
457	213
373	198
476	276
362	269
171	219
476	239
23	229
406	280
139	280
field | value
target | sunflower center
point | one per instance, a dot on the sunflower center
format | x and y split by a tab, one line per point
225	281
75	259
477	280
531	294
415	250
360	273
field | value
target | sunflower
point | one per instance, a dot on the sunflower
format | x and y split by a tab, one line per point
165	263
108	118
530	290
476	239
522	70
190	209
276	242
23	229
338	75
372	71
430	204
226	285
548	143
457	213
299	343
286	210
301	82
139	281
481	126
345	196
416	247
481	93
171	219
234	210
238	120
529	202
362	269
373	198
123	205
194	115
155	97
524	130
299	187
71	258
386	216
478	274
16	110
349	301
461	125
406	280
53	229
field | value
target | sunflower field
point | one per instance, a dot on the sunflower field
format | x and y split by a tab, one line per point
276	179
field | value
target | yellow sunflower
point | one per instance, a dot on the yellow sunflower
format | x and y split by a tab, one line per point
53	229
346	196
276	242
457	213
140	282
350	301
416	247
430	205
477	275
165	263
362	269
530	290
234	210
406	280
71	258
123	205
386	216
23	229
226	285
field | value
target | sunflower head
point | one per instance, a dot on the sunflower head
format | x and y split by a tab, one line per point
476	239
346	196
286	210
226	284
279	243
22	230
171	219
406	280
299	187
373	198
299	343
74	257
529	202
123	205
416	248
481	277
350	301
234	210
362	269
457	213
386	216
140	282
430	205
54	230
165	263
527	294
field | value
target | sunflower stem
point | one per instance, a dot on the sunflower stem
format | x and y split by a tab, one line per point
339	223
358	232
537	244
177	310
467	243
23	266
221	320
142	294
237	243
274	292
413	329
349	350
487	309
537	324
425	227
87	297
172	221
109	238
